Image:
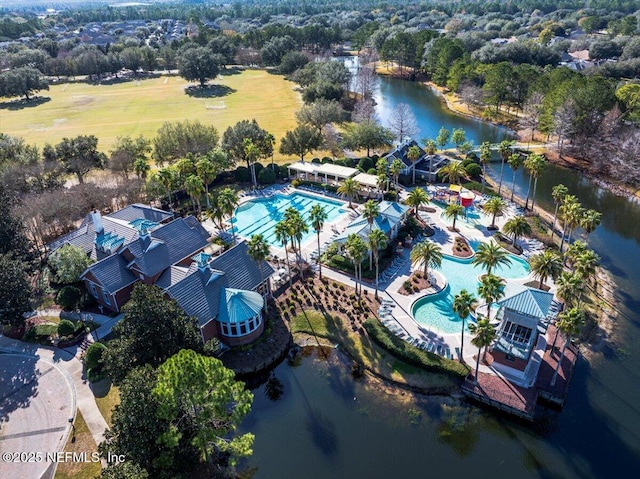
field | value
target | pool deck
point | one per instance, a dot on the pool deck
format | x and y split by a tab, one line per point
472	230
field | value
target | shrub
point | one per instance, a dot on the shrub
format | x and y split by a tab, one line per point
266	176
69	297
411	355
407	286
295	183
93	356
242	174
473	170
66	328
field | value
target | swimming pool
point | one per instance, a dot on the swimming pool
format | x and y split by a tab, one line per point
436	312
259	216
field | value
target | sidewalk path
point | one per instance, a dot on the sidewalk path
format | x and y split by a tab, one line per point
67	361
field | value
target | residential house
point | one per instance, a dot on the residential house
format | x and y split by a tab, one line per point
141	244
401	153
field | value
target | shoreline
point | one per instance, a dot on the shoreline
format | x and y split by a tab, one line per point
609	184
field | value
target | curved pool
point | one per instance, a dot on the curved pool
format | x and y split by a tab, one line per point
436	311
260	215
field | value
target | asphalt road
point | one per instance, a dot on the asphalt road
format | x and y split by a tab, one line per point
36	402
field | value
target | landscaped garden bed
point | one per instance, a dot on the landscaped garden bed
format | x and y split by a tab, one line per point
417	282
461	248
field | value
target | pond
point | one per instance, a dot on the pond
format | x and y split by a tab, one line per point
317	429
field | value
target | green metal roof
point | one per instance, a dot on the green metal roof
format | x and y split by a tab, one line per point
238	306
531	302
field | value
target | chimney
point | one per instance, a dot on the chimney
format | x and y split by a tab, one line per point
96	217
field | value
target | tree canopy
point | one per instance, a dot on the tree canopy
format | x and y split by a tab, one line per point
153	329
197	393
175	140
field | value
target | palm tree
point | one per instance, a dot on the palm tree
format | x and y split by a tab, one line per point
569	324
414	153
141	168
427	254
317	217
377	241
269	143
494	206
545	265
251	153
517	226
185	167
483	335
193	187
430	149
297	229
571	212
356	249
491	289
382	182
485	157
586	264
416	198
558	193
515	162
570	287
395	169
227	201
370	213
453	211
258	250
453	172
504	149
167	177
590	220
463	302
536	165
207	173
281	232
349	188
490	255
575	249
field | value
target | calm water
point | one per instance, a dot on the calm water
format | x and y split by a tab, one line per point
318	430
430	111
261	215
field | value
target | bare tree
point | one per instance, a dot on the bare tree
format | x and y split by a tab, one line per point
364	112
366	80
472	94
532	112
402	122
331	140
563	123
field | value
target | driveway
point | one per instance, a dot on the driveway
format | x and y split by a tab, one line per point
37	398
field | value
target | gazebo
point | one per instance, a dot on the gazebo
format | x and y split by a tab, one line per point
240	316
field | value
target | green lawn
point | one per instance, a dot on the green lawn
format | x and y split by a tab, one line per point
84	443
141	107
107	397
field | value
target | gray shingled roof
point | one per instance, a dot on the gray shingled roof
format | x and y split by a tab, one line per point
168	244
112	273
138	211
171	276
242	271
116	223
199	292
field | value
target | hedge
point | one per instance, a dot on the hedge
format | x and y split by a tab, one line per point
412	355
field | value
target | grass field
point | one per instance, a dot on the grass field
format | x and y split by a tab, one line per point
84	443
141	107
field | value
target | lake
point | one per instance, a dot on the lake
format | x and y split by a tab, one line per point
325	424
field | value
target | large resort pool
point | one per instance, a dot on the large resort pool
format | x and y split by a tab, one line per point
436	311
260	215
